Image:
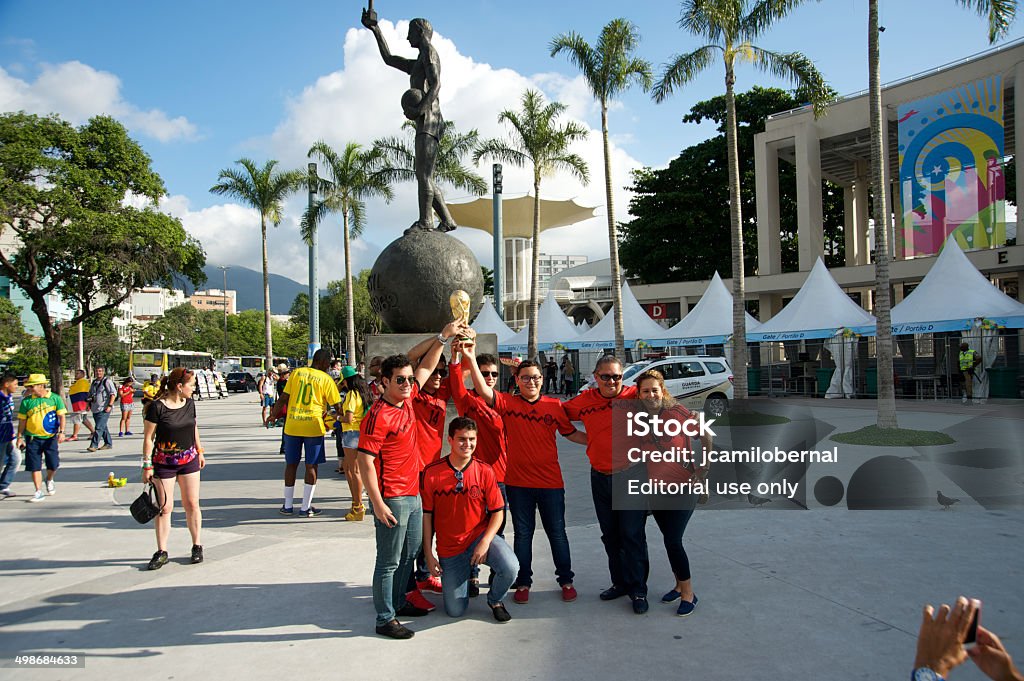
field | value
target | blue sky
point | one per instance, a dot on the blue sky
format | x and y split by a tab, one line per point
201	84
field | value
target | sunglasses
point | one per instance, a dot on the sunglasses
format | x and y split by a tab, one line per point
533	378
402	380
441	371
459	486
489	374
610	377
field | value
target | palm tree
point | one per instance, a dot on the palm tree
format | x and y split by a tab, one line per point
264	190
730	27
608	69
539	141
1000	15
352	176
399	158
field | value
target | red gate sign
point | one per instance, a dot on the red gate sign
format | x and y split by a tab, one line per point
656	310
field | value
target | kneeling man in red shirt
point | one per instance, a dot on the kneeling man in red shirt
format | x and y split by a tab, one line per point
464	507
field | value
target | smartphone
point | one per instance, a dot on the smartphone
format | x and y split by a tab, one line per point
972	631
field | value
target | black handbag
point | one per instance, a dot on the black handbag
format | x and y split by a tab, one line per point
148	504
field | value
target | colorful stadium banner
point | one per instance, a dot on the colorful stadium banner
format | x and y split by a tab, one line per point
951	169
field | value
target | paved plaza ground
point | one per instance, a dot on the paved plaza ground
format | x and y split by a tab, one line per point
825	593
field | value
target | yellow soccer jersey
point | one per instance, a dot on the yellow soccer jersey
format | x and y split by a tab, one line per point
310	393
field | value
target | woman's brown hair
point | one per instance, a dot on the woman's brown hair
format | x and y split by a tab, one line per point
170	382
667	401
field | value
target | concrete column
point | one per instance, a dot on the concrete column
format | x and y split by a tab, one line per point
684	306
850	224
897	210
861	193
1018	131
808	196
766	186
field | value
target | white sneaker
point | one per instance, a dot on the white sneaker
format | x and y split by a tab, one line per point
6	492
963	400
50	488
975	401
38	496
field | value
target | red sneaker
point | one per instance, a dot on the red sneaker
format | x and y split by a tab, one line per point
568	593
420	601
522	595
431	583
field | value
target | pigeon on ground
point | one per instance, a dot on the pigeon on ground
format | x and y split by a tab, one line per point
757	501
945	501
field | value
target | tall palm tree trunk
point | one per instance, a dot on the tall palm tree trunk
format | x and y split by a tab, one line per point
739	326
531	348
350	323
883	337
613	240
268	337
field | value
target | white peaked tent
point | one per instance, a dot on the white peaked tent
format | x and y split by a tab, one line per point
708	323
488	321
636	325
818	310
552	327
951	296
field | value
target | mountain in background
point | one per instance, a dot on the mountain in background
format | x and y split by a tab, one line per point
249	287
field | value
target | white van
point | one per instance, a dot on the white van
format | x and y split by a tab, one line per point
698	382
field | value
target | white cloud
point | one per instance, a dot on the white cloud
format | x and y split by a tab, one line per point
77	92
360	102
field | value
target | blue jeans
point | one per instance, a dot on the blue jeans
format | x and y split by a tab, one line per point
101	418
396	550
457	569
11	457
524	502
623	535
501	529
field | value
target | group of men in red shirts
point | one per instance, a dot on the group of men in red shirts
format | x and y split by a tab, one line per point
503	457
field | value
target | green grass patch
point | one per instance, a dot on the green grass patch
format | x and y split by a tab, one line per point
893	437
750	418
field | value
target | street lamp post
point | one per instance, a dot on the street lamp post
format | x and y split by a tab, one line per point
314	284
224	270
499	298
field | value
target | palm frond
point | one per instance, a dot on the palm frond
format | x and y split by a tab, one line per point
1000	14
764	14
501	151
585	57
683	69
799	70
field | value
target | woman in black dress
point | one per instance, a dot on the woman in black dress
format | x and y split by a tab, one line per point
171	450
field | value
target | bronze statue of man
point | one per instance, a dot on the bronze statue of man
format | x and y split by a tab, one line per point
424	83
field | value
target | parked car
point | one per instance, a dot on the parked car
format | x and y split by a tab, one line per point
698	382
240	382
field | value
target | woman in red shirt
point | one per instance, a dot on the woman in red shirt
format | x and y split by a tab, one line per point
672	515
127	394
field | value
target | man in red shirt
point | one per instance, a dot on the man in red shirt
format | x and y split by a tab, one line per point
462	503
622	531
533	479
490	428
390	463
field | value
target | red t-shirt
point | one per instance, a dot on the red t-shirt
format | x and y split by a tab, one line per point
127	394
530	428
490	434
388	434
667	470
460	517
430	411
595	411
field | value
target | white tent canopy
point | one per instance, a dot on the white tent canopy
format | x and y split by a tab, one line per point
552	327
708	323
488	321
951	296
636	325
818	310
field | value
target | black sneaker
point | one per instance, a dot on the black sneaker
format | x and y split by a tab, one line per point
500	613
640	605
158	560
197	554
410	610
612	592
312	512
394	630
473	588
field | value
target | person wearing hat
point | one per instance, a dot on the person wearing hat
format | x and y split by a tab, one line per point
358	399
40	430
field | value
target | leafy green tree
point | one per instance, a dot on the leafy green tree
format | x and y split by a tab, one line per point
62	194
30	358
399	158
245	333
681	213
265	190
609	68
352	176
101	345
1000	14
299	310
334	310
186	328
537	140
730	27
291	339
11	329
488	275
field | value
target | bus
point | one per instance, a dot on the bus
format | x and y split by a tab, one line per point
143	363
253	365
